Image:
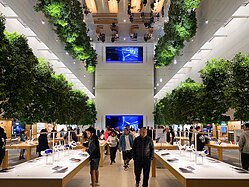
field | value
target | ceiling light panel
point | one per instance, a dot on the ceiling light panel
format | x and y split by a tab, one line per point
113	6
91	5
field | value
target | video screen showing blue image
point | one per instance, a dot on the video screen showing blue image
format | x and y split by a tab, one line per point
17	128
124	54
121	121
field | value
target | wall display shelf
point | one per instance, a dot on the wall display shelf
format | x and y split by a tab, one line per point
210	173
37	173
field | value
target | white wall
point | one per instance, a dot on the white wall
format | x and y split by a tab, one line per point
124	88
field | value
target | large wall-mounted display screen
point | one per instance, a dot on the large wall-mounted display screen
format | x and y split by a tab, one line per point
121	121
124	54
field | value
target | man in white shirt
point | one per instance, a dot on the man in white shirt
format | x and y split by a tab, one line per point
125	145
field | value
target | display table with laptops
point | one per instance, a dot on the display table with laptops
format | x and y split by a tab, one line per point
40	172
207	172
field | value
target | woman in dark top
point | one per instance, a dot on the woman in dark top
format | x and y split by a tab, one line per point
42	142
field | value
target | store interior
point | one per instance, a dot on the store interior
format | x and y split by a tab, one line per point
172	65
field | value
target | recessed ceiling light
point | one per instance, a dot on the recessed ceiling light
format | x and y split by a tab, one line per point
74	63
43	22
84	20
165	20
154	88
157	84
57	40
66	53
84	75
175	62
124	38
192	40
161	80
206	22
124	20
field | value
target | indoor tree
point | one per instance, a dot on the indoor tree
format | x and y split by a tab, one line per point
238	86
17	75
213	100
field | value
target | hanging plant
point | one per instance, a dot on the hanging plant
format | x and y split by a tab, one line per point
67	18
181	26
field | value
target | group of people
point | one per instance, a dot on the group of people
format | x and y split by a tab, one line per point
140	149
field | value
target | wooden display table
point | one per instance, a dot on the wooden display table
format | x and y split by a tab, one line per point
37	173
164	146
220	148
182	139
211	173
26	146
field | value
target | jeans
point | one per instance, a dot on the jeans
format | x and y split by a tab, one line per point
113	151
138	167
245	161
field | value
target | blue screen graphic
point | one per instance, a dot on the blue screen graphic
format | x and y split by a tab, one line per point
121	121
124	54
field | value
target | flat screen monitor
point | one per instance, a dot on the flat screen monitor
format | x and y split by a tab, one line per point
223	129
121	121
17	128
124	54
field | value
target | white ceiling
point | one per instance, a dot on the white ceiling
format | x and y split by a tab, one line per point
124	26
225	34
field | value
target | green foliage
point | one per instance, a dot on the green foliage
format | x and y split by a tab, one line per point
17	75
238	86
182	26
181	106
67	18
31	92
214	101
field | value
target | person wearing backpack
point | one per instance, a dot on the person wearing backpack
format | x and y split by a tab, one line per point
2	144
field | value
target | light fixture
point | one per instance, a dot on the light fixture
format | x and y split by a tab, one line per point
157	84
175	62
43	22
91	5
154	88
113	6
66	53
74	63
84	20
84	75
206	22
192	40
161	80
124	38
124	20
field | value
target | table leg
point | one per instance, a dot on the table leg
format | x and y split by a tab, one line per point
101	157
28	156
154	167
220	154
108	149
5	163
209	151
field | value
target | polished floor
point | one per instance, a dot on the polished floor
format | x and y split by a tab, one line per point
115	176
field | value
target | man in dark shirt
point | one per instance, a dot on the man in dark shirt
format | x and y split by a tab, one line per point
94	152
143	153
2	144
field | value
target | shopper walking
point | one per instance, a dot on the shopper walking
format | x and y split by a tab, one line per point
23	138
172	135
125	145
2	144
244	147
42	142
143	153
113	142
94	152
